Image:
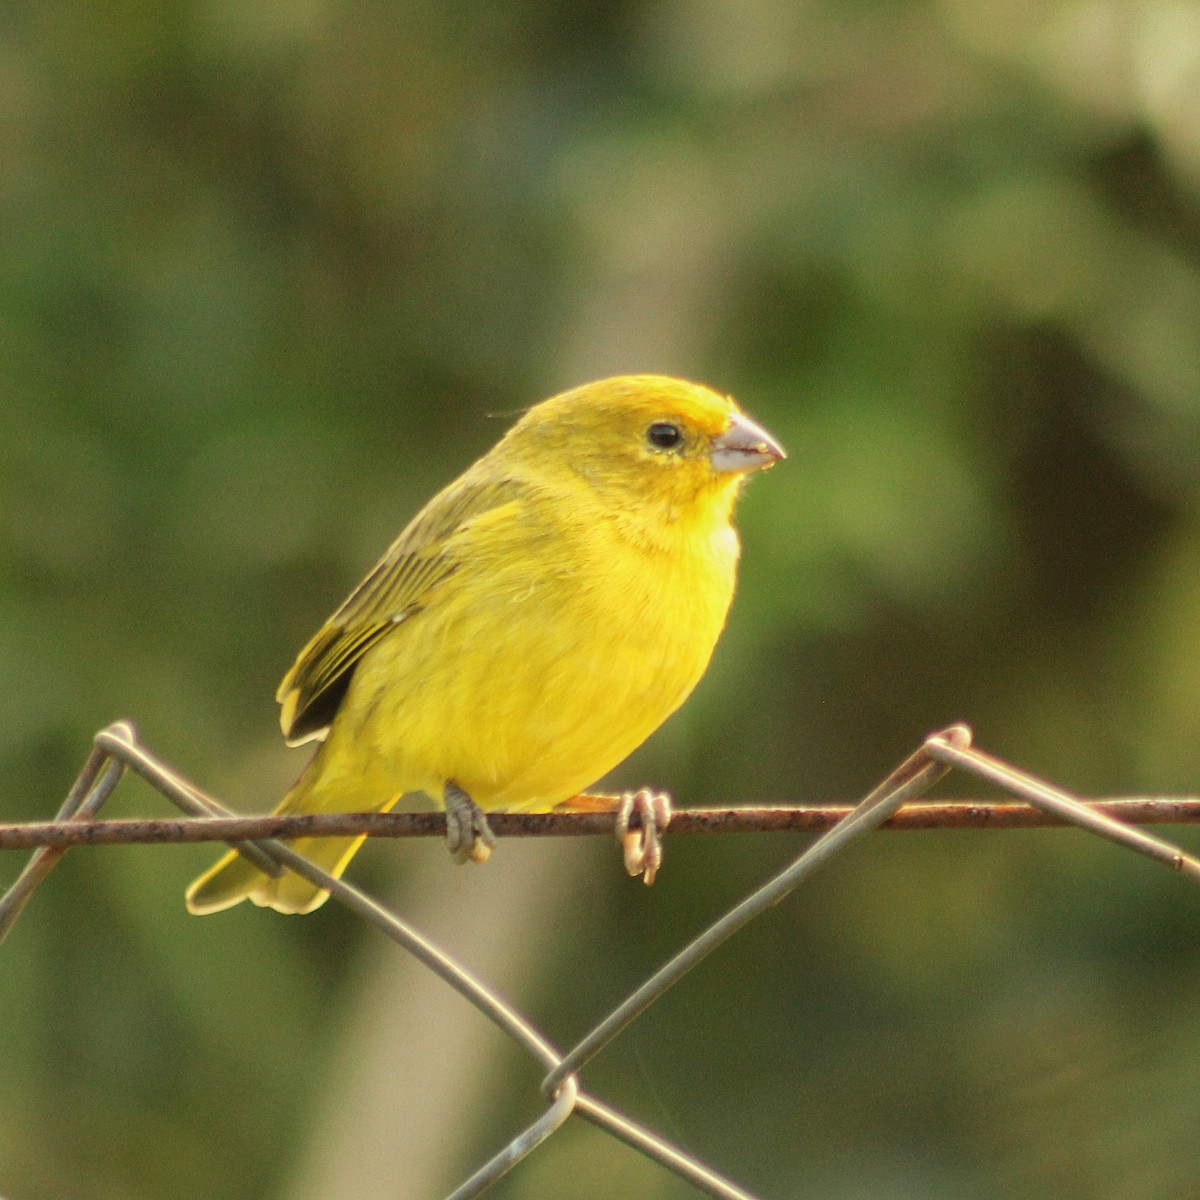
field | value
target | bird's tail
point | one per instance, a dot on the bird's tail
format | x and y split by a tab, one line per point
234	878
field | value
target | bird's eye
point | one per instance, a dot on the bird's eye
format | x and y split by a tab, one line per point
663	435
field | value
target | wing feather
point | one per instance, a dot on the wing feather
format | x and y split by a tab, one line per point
421	559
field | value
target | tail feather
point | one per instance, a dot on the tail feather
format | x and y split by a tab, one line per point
234	879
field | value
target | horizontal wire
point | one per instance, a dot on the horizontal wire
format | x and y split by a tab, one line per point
804	818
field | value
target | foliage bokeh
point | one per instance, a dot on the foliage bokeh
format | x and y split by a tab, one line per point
267	272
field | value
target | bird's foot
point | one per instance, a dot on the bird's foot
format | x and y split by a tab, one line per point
642	848
468	835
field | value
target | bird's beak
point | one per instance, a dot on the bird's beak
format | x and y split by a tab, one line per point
745	446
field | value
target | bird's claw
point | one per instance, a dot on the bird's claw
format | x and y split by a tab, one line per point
468	834
642	848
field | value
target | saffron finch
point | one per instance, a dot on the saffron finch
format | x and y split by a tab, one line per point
535	623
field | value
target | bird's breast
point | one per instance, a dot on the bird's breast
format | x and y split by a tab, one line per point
530	684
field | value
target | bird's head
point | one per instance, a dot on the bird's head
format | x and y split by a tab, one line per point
649	441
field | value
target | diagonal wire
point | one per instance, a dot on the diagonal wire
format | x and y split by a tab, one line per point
653	1147
1064	805
157	773
92	787
915	775
523	1144
120	740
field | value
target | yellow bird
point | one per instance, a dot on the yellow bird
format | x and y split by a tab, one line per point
534	624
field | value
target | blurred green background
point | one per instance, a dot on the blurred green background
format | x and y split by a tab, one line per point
268	269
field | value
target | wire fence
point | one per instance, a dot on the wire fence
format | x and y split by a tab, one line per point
891	805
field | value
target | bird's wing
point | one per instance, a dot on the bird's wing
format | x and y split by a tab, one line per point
424	556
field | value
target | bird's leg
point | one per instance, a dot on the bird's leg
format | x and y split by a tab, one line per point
468	834
641	848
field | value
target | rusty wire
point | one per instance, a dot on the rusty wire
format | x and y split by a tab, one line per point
117	749
749	818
